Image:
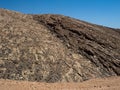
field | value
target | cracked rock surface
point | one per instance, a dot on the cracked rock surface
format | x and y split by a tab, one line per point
56	48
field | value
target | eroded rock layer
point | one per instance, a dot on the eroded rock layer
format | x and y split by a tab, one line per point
55	48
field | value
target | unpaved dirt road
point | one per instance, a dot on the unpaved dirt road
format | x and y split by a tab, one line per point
111	83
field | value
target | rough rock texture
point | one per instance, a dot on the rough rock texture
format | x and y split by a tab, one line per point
99	44
55	48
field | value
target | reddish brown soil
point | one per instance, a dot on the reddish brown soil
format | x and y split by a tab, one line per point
112	83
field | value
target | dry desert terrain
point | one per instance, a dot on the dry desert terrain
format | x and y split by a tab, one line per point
111	83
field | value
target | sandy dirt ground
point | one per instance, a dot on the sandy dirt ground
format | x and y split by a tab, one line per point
111	83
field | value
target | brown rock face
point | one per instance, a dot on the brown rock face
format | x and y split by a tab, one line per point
55	48
99	44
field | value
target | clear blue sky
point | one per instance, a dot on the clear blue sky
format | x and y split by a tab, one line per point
103	12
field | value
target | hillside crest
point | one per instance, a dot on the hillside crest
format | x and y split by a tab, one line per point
56	48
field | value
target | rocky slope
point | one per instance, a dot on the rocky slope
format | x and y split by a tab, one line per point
56	48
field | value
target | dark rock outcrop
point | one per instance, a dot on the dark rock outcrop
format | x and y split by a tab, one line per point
101	45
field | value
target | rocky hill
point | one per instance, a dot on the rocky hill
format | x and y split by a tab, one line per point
56	48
